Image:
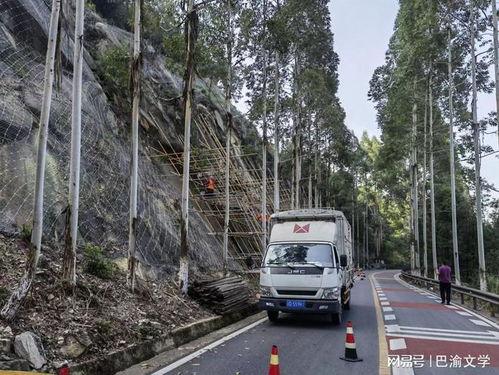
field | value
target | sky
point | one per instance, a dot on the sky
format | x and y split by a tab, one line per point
362	30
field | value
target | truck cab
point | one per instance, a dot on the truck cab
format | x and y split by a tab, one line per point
307	267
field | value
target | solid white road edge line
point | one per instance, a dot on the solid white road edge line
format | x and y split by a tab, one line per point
396	326
201	351
493	324
439	338
484	335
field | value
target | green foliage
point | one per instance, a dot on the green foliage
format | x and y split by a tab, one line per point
4	294
91	6
144	331
26	232
103	326
114	72
174	47
97	264
417	51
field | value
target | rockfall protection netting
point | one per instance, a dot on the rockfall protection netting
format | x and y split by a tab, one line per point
105	152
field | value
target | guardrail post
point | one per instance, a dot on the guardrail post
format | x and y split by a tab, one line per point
474	304
462	298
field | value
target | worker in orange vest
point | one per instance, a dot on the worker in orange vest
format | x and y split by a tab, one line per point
210	186
259	218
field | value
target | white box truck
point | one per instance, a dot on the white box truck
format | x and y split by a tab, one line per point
308	265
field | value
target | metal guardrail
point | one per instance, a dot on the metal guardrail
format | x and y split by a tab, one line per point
476	295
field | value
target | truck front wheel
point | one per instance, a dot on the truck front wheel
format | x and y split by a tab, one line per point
273	315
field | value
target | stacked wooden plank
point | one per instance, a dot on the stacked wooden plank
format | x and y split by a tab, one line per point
222	295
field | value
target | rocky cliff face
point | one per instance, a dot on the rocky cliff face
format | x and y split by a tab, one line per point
105	142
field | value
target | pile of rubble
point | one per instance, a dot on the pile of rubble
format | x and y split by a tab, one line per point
94	319
22	352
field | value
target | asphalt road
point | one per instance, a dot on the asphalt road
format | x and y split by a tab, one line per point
307	344
408	328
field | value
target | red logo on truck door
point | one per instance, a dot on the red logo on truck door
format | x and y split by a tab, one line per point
301	229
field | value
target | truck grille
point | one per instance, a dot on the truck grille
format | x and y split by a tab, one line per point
297	292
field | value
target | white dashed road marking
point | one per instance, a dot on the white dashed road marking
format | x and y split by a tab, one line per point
397	344
390	317
479	322
402	371
387	309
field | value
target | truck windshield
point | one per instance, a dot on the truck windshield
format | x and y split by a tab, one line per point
303	253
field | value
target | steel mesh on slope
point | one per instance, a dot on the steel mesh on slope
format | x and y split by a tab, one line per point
104	191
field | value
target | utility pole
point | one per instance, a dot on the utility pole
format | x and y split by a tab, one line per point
228	97
136	87
455	245
476	134
188	101
496	60
17	297
69	261
432	178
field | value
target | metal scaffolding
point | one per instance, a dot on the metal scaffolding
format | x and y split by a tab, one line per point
209	159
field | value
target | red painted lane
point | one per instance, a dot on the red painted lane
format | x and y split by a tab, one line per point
415	305
448	348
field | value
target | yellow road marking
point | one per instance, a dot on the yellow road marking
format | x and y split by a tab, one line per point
383	347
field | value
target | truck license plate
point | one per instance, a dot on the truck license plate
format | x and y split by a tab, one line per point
295	304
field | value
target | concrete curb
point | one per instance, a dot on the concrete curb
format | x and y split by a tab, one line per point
124	358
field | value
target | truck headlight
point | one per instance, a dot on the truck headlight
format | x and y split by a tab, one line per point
265	291
331	293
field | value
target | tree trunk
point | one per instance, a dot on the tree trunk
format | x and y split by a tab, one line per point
432	180
455	245
264	140
17	297
136	76
190	36
316	169
69	260
496	61
277	203
424	191
297	147
478	182
310	169
414	168
228	98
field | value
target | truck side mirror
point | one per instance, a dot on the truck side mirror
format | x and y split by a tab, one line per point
343	260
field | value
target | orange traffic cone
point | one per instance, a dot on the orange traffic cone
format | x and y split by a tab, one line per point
350	349
274	362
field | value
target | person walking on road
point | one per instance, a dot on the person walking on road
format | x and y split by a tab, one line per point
444	272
